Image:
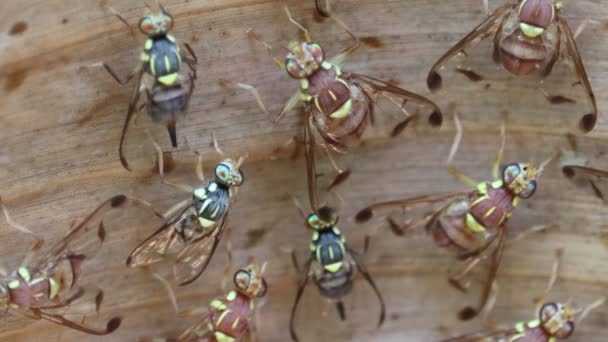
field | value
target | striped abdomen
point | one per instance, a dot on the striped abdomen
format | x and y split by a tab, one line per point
164	102
522	55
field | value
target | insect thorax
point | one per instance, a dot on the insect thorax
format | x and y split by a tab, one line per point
211	203
329	249
162	59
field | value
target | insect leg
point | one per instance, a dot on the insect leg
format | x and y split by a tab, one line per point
177	207
252	35
324	12
300	292
338	59
499	155
457	139
342	175
14	224
583	25
300	26
456	278
159	151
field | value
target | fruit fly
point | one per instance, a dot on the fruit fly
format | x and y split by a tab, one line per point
527	37
554	321
229	318
575	165
332	265
167	91
338	104
193	227
473	224
37	289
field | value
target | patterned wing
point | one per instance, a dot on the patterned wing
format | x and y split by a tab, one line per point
192	261
155	247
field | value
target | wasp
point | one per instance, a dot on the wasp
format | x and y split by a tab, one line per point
553	321
528	37
575	165
471	224
332	265
229	318
339	104
193	227
167	90
39	288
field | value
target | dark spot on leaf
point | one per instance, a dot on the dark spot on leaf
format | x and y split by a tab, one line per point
487	86
118	201
14	80
434	81
364	215
96	109
64	21
38	245
340	178
255	236
470	74
395	317
374	42
467	314
18	28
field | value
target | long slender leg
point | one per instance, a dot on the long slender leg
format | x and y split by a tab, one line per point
254	91
252	35
486	7
499	155
175	208
14	224
342	175
300	26
199	167
469	264
583	25
216	145
159	152
180	186
457	139
338	59
169	289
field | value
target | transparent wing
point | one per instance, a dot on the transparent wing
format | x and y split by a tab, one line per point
197	330
390	91
192	261
155	248
83	240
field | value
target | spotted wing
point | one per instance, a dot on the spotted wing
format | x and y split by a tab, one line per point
371	85
588	120
597	179
192	261
155	247
83	240
484	30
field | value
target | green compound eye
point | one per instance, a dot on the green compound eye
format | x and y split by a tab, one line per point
511	172
238	178
242	279
529	190
314	221
294	69
222	172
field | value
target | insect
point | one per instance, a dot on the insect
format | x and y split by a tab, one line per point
332	265
527	37
471	224
338	104
40	288
193	227
167	91
575	166
554	321
230	318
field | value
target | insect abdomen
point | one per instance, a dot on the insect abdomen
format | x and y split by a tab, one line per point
165	102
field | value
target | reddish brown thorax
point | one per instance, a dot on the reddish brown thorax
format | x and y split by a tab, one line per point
29	294
331	93
539	13
493	210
